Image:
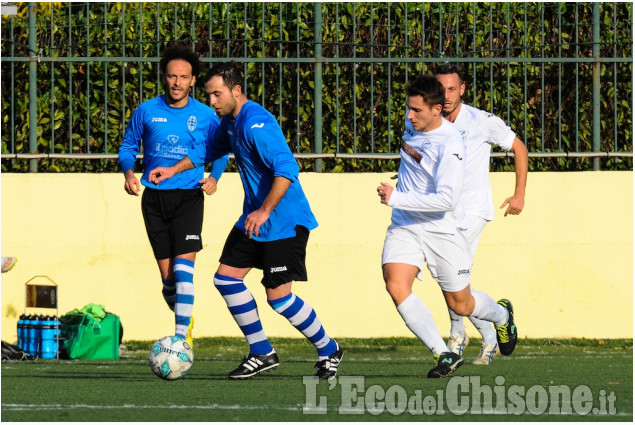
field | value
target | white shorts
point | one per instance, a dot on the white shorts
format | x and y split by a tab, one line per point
446	255
472	233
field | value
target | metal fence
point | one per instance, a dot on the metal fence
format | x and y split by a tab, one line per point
332	73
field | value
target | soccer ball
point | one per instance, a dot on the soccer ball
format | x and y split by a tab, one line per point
171	358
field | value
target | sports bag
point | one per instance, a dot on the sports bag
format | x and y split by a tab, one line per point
88	337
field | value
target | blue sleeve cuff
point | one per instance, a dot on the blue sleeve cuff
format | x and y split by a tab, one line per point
127	164
286	175
218	167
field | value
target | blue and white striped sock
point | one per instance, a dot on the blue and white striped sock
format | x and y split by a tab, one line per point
184	278
302	316
169	292
243	307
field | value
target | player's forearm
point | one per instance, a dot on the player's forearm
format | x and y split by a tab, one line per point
278	189
413	201
183	165
521	166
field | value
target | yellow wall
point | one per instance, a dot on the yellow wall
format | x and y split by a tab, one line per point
566	262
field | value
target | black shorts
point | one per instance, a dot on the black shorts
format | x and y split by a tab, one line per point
281	261
174	220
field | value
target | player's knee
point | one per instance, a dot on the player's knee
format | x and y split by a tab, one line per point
460	308
398	291
392	286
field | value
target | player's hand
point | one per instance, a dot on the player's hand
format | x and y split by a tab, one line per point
209	185
515	205
131	185
254	221
159	174
384	191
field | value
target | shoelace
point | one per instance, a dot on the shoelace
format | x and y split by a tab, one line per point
502	333
322	365
435	359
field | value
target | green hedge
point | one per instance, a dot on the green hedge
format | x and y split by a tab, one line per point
83	107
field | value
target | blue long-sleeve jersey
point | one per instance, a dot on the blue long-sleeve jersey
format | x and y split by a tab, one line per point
168	135
261	153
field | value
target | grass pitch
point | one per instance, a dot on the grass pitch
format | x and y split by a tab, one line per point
379	380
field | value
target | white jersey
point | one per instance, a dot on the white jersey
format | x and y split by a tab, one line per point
428	191
481	130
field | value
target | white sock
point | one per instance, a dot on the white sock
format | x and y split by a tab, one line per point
486	308
419	320
456	323
483	327
486	330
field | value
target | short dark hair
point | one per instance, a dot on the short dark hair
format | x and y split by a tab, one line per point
449	68
180	51
428	88
231	73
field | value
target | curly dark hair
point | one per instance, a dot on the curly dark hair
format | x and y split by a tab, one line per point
180	51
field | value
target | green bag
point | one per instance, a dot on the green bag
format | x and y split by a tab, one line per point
88	338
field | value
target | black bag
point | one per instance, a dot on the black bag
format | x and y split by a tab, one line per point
13	352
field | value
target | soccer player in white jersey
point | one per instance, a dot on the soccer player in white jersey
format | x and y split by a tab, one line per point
481	130
426	213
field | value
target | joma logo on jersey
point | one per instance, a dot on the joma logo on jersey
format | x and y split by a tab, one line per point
192	237
278	269
159	119
464	271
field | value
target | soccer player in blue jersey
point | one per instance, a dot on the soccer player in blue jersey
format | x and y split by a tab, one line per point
273	230
173	126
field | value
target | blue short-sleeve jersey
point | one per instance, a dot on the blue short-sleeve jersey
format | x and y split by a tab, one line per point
169	134
261	154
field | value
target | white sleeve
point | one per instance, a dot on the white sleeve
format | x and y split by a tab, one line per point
498	132
448	181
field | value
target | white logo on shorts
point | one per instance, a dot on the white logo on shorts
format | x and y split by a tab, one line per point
278	269
189	237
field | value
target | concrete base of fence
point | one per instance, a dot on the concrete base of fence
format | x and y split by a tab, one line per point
566	262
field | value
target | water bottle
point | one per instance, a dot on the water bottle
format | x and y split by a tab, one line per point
57	328
35	334
48	345
21	331
28	333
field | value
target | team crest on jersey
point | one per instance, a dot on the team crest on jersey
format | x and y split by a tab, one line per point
425	144
191	123
173	139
